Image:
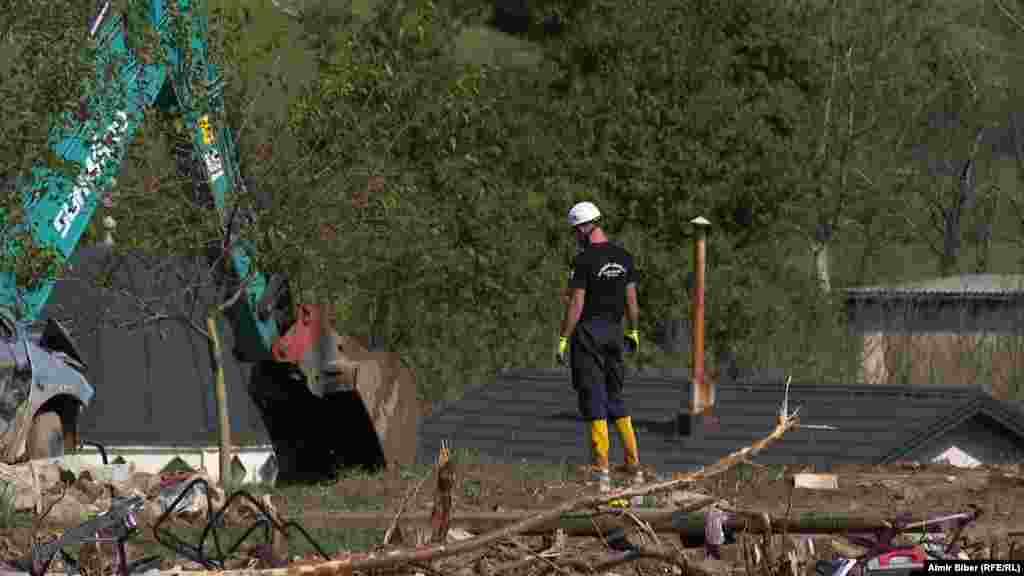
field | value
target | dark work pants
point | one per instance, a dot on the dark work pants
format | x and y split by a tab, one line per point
596	364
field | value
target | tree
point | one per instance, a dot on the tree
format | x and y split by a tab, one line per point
954	183
422	193
880	74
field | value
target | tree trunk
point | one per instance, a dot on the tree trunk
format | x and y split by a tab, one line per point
223	422
953	215
983	238
820	255
950	243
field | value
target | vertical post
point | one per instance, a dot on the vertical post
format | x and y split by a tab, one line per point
701	396
220	390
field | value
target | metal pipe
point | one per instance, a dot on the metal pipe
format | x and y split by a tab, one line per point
701	398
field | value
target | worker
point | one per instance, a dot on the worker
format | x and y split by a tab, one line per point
602	288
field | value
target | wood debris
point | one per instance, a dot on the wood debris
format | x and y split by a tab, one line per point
816	481
584	535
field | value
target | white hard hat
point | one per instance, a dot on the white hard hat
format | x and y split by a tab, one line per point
582	213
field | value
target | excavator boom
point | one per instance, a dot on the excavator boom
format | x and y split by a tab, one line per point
299	365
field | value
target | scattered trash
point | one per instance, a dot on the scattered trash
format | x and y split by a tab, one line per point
458	535
493	542
115	525
173	488
957	457
816	481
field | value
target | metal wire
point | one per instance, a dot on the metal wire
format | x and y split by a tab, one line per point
214	520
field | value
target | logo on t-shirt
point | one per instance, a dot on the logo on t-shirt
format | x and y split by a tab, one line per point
611	270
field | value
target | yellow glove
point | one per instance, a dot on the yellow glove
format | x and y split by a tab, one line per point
563	345
632	341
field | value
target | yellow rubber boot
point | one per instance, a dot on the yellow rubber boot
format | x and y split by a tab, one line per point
625	427
599	444
599	453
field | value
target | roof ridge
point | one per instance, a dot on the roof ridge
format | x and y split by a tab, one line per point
969	286
873	389
981	403
1006	412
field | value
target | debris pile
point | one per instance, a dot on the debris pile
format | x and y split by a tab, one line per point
691	530
69	490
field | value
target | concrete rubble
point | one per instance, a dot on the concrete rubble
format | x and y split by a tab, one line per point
72	490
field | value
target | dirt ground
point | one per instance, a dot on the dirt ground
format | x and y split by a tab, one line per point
919	490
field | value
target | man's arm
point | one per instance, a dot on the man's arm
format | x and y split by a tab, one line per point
632	307
572	311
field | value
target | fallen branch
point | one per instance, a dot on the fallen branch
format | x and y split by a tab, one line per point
526	549
38	523
401	508
511	567
345	566
691	526
648	552
687	521
589	523
638	553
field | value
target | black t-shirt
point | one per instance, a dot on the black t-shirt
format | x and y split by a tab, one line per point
603	270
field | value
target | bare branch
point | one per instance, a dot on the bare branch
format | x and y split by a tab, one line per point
289	10
927	237
346	566
401	509
238	293
1009	15
832	85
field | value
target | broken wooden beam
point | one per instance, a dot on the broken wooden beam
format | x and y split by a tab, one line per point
582	524
662	520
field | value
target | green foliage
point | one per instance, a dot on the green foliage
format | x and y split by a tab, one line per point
8	506
411	166
34	85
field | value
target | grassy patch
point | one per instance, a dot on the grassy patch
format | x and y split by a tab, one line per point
545	472
482	45
9	515
414	471
328	499
469	457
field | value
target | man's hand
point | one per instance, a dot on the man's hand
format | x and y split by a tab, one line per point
632	341
563	345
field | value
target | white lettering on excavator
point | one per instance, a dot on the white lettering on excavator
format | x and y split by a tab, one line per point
214	165
102	151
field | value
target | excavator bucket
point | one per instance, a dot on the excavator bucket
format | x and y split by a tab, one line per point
329	403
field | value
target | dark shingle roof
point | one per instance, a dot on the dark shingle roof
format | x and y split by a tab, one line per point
154	383
533	415
964	287
1008	416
